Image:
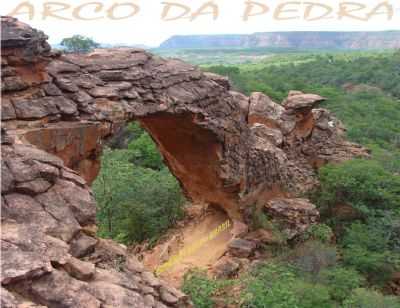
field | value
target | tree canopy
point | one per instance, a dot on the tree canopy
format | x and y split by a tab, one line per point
79	44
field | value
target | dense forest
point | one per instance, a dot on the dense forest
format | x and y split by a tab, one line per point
345	261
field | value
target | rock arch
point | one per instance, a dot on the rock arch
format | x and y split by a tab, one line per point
223	147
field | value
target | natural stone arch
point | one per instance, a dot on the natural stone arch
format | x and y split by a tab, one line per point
225	149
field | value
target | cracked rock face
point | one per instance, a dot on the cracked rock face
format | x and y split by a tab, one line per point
223	147
49	255
294	216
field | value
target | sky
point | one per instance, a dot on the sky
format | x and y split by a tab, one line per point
149	28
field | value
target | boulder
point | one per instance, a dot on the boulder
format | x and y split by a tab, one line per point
264	110
300	101
82	246
27	252
7	300
132	264
293	216
79	269
7	110
13	84
226	267
167	297
263	132
116	296
241	248
263	236
58	289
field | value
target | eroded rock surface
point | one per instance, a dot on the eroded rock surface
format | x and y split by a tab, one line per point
49	256
224	148
221	145
294	216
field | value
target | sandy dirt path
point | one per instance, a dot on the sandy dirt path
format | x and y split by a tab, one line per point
203	257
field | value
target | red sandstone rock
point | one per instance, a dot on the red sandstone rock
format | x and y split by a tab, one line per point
223	147
226	267
242	248
294	216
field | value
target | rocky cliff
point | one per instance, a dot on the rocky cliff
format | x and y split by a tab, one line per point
225	149
297	39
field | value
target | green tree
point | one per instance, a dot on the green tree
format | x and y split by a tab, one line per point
112	186
312	295
137	196
79	44
271	286
278	286
363	184
145	153
135	203
370	243
156	204
370	248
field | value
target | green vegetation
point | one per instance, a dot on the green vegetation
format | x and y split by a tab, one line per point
200	288
137	196
341	282
145	153
363	298
363	184
279	285
249	58
320	232
369	237
346	260
79	44
365	96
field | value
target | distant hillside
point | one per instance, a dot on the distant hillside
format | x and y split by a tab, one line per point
107	45
301	40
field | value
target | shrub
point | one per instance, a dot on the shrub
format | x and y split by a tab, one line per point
271	286
364	184
313	256
260	220
145	153
319	232
125	135
341	281
111	187
368	247
200	288
277	286
312	295
370	244
156	203
390	160
363	298
138	201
